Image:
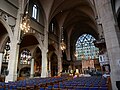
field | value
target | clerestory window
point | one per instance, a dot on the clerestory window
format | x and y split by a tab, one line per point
34	11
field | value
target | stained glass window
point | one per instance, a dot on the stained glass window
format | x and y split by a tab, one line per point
25	57
6	53
85	48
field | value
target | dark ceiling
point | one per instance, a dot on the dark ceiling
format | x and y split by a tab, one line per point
28	40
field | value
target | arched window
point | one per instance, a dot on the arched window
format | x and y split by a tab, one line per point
25	57
34	11
6	53
53	27
85	48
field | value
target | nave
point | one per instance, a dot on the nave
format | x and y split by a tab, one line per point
48	38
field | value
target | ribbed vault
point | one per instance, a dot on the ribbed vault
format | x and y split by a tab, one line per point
76	17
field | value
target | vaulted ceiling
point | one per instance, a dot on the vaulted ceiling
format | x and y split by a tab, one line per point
76	16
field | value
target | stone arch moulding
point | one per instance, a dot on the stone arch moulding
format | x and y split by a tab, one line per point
37	36
3	43
39	39
34	50
118	11
10	34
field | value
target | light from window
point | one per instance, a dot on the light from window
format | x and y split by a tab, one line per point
25	57
34	12
6	53
86	47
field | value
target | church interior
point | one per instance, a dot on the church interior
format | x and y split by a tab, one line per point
59	44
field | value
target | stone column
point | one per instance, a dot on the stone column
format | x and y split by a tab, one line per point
49	72
1	57
44	72
12	64
111	37
59	53
59	63
16	62
14	49
68	51
32	68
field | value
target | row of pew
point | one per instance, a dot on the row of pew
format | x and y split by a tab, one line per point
58	83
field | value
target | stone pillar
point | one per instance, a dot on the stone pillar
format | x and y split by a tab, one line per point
13	61
59	53
44	72
16	62
59	64
68	51
49	72
111	38
1	57
32	68
14	49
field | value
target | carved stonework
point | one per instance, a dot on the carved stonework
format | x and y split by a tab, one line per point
32	31
12	27
11	21
40	36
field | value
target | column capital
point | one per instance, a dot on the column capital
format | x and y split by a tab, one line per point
44	49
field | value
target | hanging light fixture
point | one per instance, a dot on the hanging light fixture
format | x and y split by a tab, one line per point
62	44
25	25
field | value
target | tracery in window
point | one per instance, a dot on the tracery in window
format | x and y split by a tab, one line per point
25	57
85	48
34	11
6	53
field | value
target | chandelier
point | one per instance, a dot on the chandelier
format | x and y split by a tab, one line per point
25	25
62	44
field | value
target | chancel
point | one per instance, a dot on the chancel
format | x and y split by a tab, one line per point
59	44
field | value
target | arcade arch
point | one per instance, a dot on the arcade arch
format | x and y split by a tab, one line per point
5	46
30	46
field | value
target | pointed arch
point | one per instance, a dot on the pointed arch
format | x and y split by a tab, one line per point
85	48
10	33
